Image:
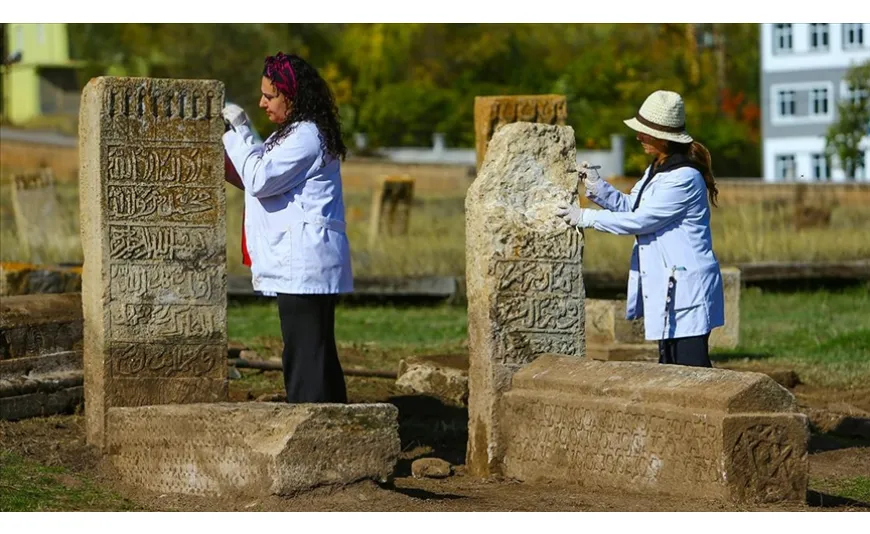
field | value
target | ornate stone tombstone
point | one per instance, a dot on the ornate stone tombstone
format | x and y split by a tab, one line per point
523	269
153	234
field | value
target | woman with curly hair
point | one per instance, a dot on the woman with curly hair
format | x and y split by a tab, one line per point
294	227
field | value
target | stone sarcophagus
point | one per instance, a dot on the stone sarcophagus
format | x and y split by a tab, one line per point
698	432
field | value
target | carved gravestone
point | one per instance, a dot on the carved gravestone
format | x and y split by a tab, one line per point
153	233
662	429
491	112
523	268
728	335
38	218
391	207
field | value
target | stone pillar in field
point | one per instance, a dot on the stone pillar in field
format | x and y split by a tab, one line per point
392	199
490	112
154	242
523	269
728	336
39	221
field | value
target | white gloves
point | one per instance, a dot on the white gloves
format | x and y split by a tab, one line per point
575	215
235	115
590	176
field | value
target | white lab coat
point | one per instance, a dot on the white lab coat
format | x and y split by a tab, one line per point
672	225
294	213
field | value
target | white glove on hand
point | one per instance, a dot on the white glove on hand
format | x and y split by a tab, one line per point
589	176
575	215
234	115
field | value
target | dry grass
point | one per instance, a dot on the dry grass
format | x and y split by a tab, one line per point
435	244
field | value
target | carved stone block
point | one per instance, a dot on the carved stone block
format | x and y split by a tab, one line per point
491	112
690	431
153	232
524	273
252	449
728	336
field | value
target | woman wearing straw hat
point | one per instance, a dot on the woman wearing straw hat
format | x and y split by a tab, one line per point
674	280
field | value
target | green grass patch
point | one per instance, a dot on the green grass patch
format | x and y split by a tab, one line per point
30	487
857	488
823	335
386	327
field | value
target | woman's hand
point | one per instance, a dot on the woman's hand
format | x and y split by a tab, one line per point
589	175
234	115
575	215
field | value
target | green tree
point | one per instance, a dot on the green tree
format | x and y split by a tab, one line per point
844	136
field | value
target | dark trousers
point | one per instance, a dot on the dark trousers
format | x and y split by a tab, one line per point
312	372
692	351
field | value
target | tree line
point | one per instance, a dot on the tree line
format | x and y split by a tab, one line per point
400	83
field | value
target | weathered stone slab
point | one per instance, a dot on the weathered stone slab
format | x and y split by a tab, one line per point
523	268
606	323
252	449
38	217
697	432
391	207
41	385
624	352
491	112
154	239
62	400
33	325
444	377
26	279
728	336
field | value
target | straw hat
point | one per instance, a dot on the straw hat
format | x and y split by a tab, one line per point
662	116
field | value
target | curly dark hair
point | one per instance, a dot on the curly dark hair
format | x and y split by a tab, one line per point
313	101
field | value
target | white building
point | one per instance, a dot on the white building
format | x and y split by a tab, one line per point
802	78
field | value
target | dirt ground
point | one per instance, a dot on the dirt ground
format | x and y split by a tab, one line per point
430	428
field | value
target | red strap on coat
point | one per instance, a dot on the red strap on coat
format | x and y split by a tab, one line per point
230	170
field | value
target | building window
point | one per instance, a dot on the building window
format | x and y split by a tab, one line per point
819	101
818	36
786	103
782	41
786	169
853	35
855	96
820	167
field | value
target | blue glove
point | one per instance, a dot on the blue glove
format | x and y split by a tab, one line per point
575	215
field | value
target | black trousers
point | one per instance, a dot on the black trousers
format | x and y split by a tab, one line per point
692	351
312	372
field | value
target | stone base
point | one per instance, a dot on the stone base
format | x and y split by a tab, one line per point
624	352
33	325
41	386
606	323
27	279
660	429
251	449
444	377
